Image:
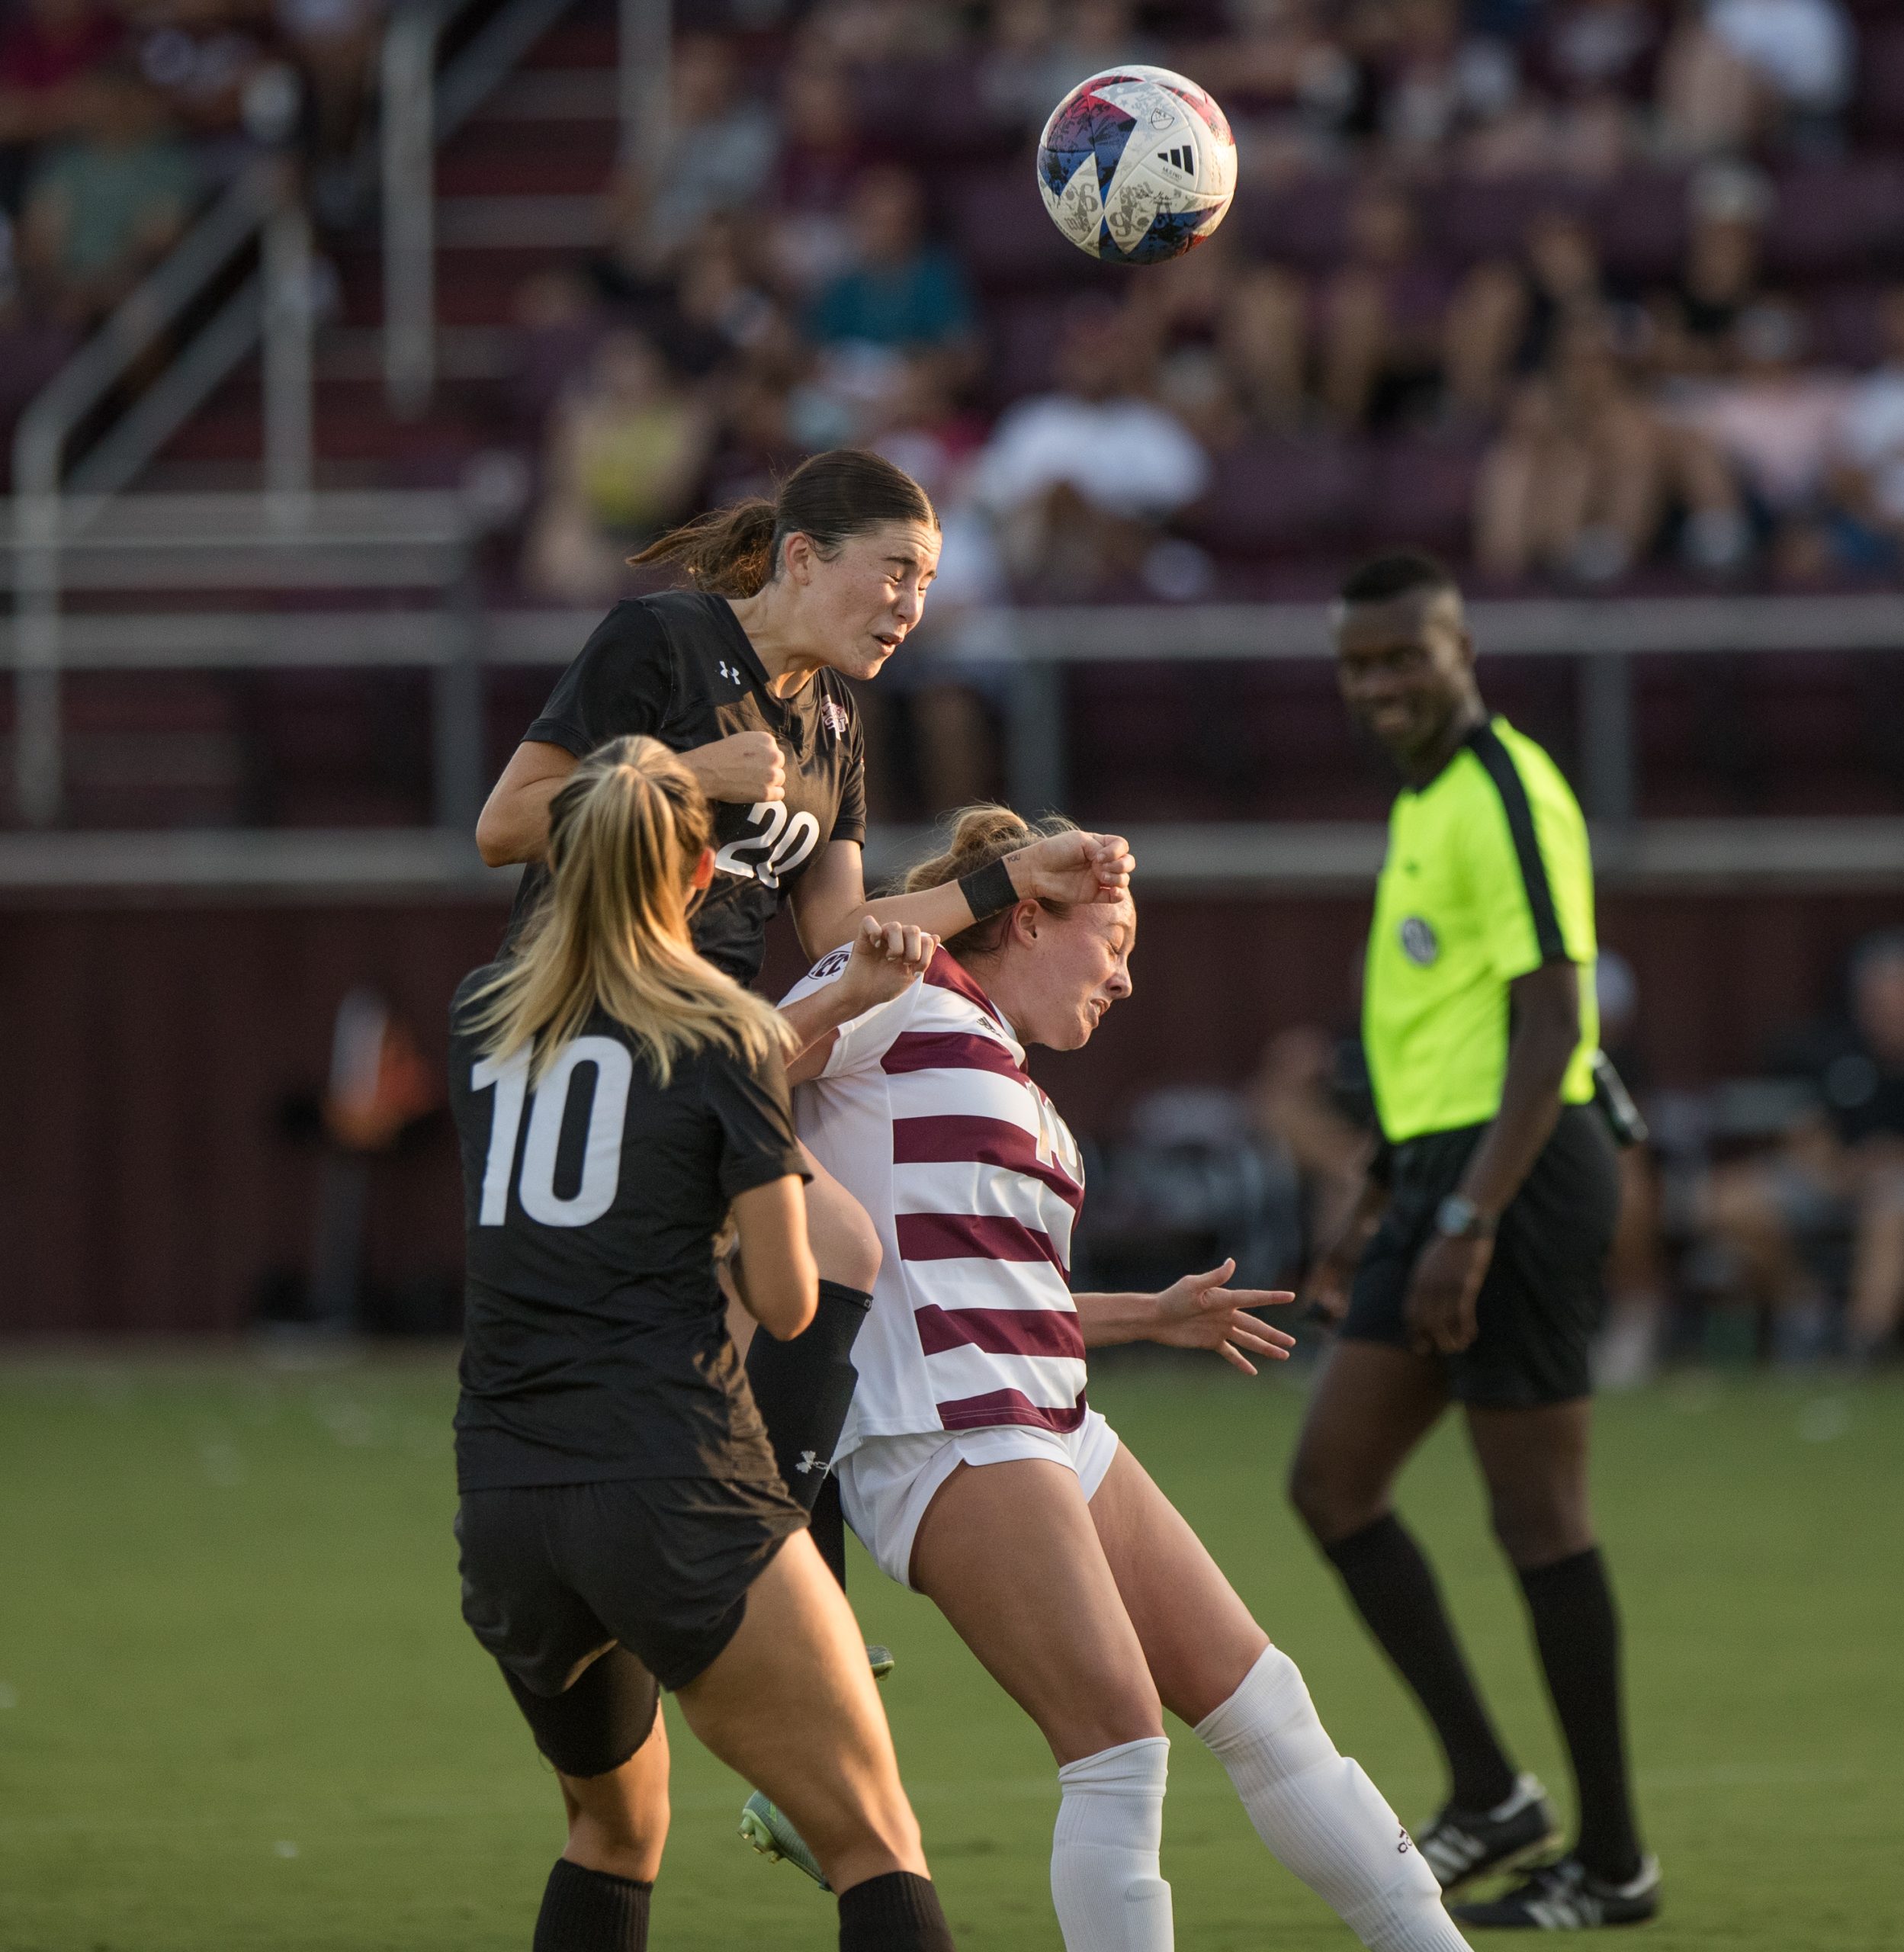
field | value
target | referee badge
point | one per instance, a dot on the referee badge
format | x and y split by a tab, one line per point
1419	943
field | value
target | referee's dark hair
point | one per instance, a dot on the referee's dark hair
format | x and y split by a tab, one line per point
1398	572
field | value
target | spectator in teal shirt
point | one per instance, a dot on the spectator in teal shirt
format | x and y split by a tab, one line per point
900	291
104	206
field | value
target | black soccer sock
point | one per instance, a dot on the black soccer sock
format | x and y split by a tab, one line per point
898	1912
1577	1629
1395	1591
804	1388
592	1911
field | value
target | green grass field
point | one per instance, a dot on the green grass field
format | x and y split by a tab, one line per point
238	1708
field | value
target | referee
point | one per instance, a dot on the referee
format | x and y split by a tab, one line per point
1473	1269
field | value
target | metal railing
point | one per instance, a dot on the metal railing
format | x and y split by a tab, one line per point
261	206
382	544
421	109
302	545
1605	634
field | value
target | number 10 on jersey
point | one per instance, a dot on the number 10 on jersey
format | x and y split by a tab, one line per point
614	1066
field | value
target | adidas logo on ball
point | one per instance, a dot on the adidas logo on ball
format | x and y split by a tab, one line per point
1126	199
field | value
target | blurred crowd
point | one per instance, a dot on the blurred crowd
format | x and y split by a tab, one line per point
1763	1218
1584	292
1588	288
118	117
1579	291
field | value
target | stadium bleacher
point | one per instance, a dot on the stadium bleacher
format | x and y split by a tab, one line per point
1741	748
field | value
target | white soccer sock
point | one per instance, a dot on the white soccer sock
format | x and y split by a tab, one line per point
1105	1884
1321	1816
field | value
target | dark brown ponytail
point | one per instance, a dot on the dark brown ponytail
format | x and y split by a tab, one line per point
736	551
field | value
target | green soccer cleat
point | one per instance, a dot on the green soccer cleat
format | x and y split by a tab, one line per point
769	1831
880	1660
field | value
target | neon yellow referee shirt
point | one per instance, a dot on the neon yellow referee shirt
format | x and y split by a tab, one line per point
1487	876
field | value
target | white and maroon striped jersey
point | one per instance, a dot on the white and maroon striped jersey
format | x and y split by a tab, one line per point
925	1114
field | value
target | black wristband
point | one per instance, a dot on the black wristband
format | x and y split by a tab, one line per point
988	890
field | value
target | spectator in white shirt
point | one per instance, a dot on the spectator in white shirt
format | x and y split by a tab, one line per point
1078	481
1868	476
1777	419
1737	70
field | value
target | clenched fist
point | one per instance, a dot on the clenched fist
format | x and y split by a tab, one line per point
886	958
748	767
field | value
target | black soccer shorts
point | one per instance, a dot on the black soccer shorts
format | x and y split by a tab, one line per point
1544	1295
594	1596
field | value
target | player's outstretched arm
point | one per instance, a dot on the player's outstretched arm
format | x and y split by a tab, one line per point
829	900
884	963
1197	1312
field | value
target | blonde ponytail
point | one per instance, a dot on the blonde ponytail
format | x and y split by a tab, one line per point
626	833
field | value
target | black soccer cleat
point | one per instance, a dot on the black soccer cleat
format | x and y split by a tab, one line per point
1463	1844
1566	1896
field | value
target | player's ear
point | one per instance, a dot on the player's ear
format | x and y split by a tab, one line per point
1025	918
798	557
702	878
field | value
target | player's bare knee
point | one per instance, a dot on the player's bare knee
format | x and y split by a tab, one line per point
1113	1715
1325	1500
1536	1528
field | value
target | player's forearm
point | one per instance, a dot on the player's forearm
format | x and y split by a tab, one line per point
813	1018
514	825
939	911
1107	1320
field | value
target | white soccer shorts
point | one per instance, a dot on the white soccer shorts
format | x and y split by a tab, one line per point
886	1484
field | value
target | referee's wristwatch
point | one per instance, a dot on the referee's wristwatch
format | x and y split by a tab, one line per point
1458	1218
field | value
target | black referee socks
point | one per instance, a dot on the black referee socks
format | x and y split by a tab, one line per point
1395	1592
592	1911
1577	1630
803	1389
896	1913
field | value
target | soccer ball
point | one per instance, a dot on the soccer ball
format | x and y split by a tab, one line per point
1137	166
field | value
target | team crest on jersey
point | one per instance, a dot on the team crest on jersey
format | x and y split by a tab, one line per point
830	965
833	716
1419	941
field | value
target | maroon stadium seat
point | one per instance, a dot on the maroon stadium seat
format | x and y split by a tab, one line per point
1006	239
1273	496
1836	216
1468	220
1302	223
1421	494
1642	222
1878	111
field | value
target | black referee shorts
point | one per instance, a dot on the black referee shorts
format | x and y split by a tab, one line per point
1545	1291
594	1596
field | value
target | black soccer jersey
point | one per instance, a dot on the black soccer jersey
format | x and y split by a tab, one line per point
678	667
596	1344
